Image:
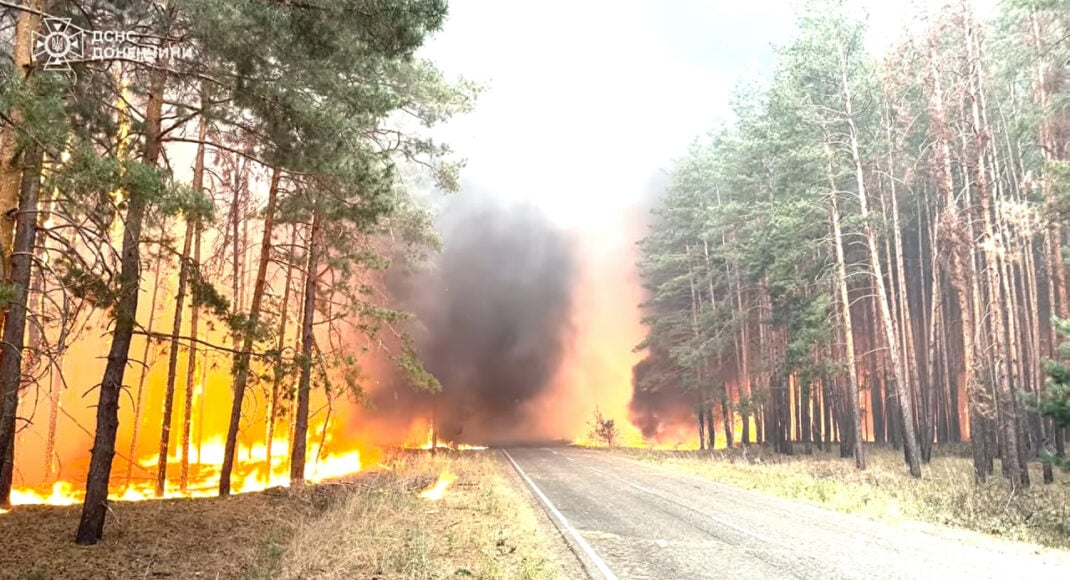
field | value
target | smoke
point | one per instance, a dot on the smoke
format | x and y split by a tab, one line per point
529	327
659	407
494	318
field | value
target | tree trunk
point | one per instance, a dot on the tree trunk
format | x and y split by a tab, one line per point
845	317
956	238
27	23
726	418
273	411
95	506
236	250
910	439
13	184
1052	251
991	248
701	427
906	322
304	385
15	318
145	367
711	432
191	368
172	361
241	373
194	322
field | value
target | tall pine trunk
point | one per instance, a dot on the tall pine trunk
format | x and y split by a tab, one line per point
304	384
95	506
241	373
172	361
956	238
910	440
1008	425
273	411
15	317
191	369
844	303
12	188
194	322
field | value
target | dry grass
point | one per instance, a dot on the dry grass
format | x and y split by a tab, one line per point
483	527
373	526
945	495
202	538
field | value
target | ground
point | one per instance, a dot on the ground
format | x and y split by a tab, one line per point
374	525
640	514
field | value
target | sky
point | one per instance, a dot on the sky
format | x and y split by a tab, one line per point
586	100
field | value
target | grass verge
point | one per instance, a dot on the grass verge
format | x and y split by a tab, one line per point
482	527
885	491
372	526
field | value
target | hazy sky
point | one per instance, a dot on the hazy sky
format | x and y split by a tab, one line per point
586	99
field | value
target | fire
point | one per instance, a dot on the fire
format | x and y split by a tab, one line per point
335	466
430	444
252	474
61	494
52	456
438	490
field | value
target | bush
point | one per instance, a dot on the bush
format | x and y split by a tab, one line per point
603	429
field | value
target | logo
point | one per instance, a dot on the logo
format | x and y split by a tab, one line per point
59	44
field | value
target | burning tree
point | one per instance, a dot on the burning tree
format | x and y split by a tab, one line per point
300	97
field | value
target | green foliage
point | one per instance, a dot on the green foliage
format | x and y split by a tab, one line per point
1054	401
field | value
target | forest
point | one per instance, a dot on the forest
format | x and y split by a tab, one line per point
202	213
874	250
255	324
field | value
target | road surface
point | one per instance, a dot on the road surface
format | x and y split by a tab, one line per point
626	519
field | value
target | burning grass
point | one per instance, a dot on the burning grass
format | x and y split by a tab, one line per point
373	525
885	491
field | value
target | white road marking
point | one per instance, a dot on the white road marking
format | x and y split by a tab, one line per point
569	458
587	549
642	489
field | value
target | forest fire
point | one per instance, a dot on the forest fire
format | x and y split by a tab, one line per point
432	444
437	490
205	466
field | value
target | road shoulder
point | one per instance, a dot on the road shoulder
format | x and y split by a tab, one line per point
564	553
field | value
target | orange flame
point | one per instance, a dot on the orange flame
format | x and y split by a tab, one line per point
52	457
436	491
430	443
207	462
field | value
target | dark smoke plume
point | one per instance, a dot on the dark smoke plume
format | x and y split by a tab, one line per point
494	313
657	399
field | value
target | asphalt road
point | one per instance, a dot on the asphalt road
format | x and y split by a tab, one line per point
626	519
